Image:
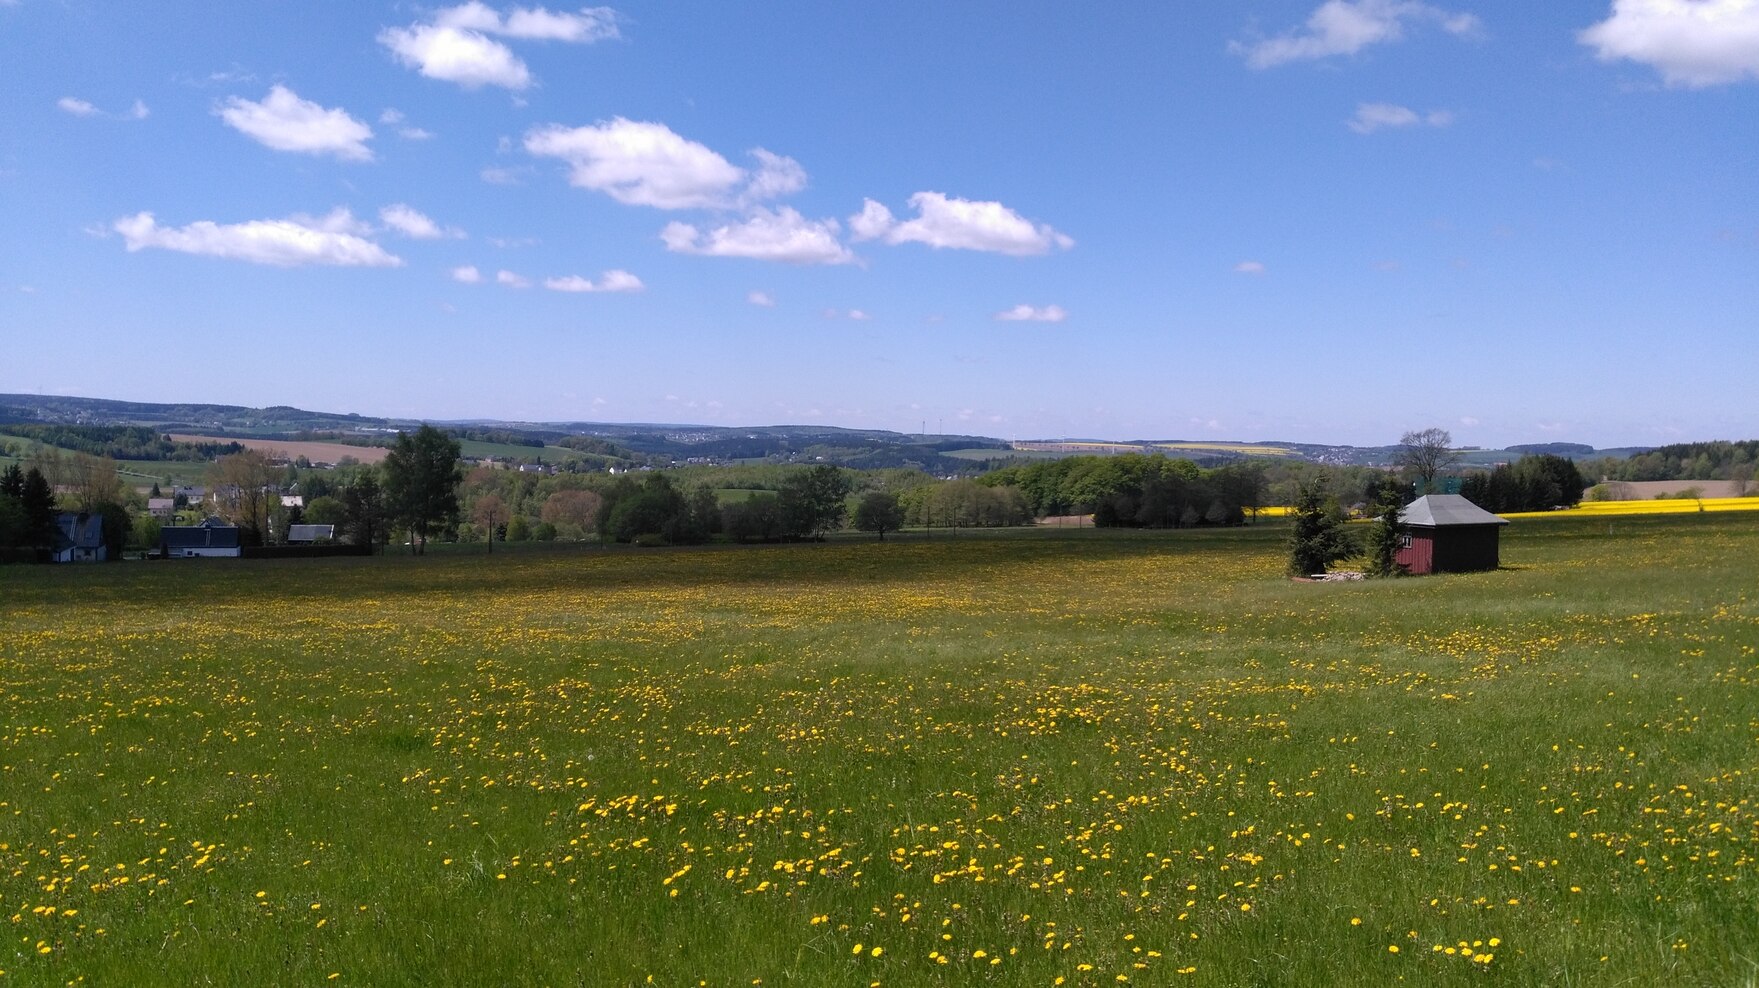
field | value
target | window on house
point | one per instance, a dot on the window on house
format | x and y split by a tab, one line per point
1405	541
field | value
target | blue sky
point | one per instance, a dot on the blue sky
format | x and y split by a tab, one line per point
1311	221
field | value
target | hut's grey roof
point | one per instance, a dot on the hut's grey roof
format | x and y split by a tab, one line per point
1442	510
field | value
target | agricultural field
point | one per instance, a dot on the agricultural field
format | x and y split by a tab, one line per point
317	452
1089	448
1035	758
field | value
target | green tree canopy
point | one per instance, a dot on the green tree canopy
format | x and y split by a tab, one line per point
879	512
421	483
1319	538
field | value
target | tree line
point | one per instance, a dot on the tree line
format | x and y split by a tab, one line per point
1136	491
120	442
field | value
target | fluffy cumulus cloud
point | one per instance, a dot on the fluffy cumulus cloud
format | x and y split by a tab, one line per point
943	221
412	222
512	280
337	239
761	299
1033	313
285	122
468	274
1371	117
641	163
610	281
1693	43
768	235
452	54
1345	27
455	45
1249	267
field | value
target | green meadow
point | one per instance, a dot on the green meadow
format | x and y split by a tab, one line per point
1068	757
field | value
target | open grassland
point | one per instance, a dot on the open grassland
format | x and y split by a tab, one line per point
1085	757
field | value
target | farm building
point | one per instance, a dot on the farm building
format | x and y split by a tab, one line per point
79	538
1445	533
210	538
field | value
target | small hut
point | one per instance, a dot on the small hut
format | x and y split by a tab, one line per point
1445	533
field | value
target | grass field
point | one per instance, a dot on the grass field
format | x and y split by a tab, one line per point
1079	757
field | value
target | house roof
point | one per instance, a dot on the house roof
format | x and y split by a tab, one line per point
1446	510
310	533
198	537
78	531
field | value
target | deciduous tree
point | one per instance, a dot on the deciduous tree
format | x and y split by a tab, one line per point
1426	453
814	501
879	512
573	512
242	487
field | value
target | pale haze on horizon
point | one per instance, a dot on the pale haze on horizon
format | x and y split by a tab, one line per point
1307	221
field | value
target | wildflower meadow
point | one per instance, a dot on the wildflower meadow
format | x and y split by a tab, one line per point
1069	757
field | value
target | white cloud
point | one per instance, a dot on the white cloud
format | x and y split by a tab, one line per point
966	224
779	235
452	54
639	163
1249	267
456	46
534	23
467	274
285	122
1693	43
763	299
1371	117
336	239
777	176
610	281
412	222
1345	27
511	280
873	222
858	315
393	117
1033	313
82	108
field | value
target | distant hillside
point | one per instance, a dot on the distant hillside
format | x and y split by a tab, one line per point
660	443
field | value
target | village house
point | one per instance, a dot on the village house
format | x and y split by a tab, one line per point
212	537
79	538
